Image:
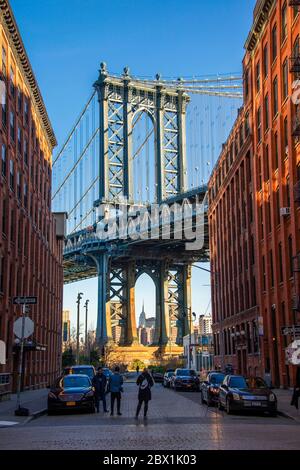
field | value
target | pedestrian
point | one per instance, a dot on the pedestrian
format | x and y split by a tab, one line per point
144	382
115	388
137	370
296	392
99	383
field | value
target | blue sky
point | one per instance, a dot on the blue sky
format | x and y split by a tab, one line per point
67	39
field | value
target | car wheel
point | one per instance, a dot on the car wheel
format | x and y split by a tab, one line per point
176	388
50	412
273	414
228	407
209	402
92	409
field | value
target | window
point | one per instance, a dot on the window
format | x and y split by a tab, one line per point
286	135
258	122
20	141
4	114
20	101
277	206
290	249
26	151
266	112
267	173
266	57
296	56
271	268
284	22
12	82
11	175
12	126
288	197
280	260
247	83
258	76
19	185
4	61
3	160
275	96
26	110
25	195
276	155
274	42
285	83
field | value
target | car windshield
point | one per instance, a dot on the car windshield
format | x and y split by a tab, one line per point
216	378
238	382
256	382
84	371
71	381
170	374
185	372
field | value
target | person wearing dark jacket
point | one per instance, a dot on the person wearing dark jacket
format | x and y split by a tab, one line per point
99	383
296	392
115	387
144	382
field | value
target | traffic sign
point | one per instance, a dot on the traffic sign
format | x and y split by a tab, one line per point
24	300
28	327
290	330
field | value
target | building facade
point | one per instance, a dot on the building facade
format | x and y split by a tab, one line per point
254	213
30	251
205	323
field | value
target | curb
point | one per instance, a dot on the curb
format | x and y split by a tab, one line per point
286	415
35	415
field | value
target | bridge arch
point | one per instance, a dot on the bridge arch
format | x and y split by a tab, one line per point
146	318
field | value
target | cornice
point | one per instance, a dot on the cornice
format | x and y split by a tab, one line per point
17	45
261	13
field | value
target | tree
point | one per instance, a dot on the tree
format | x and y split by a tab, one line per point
68	358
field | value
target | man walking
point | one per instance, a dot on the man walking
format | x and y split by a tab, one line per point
99	383
144	382
115	387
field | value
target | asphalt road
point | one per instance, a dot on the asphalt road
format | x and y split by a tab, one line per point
177	421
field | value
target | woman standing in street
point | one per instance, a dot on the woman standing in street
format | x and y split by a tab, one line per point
144	382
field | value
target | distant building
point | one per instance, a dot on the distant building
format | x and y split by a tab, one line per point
116	333
142	318
150	322
66	329
205	322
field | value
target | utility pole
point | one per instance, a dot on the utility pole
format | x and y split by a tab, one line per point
86	328
79	297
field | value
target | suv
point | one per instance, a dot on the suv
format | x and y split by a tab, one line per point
185	379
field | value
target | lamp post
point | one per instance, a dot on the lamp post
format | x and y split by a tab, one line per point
79	297
86	305
191	314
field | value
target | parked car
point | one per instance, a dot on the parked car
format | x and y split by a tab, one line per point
158	377
82	369
167	379
210	388
73	391
238	393
185	379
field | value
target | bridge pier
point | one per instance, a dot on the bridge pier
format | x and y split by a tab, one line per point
103	329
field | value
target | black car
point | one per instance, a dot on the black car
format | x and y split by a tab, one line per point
167	379
238	393
210	388
73	391
158	377
185	379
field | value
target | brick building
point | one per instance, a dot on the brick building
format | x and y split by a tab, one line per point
254	210
30	251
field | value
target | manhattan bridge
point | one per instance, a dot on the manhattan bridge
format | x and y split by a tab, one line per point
132	176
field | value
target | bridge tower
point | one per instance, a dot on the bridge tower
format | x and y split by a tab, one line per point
120	99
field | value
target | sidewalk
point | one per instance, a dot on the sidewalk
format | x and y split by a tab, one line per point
34	400
284	399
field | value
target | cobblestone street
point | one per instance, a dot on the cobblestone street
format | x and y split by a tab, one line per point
177	420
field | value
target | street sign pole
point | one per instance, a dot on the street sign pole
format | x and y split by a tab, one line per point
21	358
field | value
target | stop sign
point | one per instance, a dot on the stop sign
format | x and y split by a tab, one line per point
28	327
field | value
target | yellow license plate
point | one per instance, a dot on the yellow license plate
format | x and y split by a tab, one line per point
71	403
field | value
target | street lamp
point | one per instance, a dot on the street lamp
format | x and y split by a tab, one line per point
79	297
86	330
192	314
